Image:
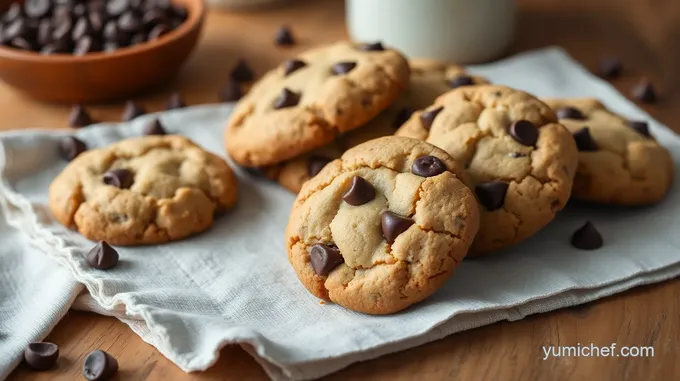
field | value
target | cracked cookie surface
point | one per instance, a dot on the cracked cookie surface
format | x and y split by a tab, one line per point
520	160
382	227
429	79
145	190
307	101
620	162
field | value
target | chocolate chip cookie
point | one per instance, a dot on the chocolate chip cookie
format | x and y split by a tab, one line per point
144	190
620	162
521	161
307	101
382	227
429	79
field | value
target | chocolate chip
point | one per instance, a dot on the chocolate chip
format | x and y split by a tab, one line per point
21	43
242	72
119	178
461	80
117	7
99	366
342	67
158	31
62	31
427	117
96	21
290	66
569	112
129	22
315	164
360	192
287	98
491	194
44	32
517	154
231	92
644	92
587	237
37	9
14	12
609	67
324	258
284	37
154	127
153	17
584	141
71	147
41	355
113	34
79	117
641	127
52	49
85	45
428	166
372	47
132	110
393	224
175	102
524	132
79	10
15	29
102	256
402	116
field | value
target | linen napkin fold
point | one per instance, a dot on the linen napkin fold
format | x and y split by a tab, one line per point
233	284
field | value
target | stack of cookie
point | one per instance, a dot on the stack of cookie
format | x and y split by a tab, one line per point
380	222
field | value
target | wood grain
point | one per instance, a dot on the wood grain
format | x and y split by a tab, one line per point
645	34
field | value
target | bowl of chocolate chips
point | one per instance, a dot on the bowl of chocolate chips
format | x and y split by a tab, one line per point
81	51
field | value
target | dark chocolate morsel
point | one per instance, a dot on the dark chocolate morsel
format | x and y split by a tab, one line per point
524	132
284	37
102	256
342	67
119	178
360	192
461	80
287	98
584	141
372	47
427	117
569	112
290	66
492	194
231	92
644	92
324	258
71	147
132	110
587	237
41	355
428	166
641	127
609	67
175	102
242	72
315	164
154	127
79	117
99	366
393	224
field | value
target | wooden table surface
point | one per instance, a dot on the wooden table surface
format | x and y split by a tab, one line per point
645	34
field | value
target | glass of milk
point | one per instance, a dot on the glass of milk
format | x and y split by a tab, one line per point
457	31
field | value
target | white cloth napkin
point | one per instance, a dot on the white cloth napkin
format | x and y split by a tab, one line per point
233	284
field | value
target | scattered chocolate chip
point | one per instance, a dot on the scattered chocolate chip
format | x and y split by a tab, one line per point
15	29
71	147
491	194
393	224
569	112
231	92
242	72
461	80
342	67
290	66
609	67
79	117
360	192
587	237
287	98
175	102
132	110
99	366
284	37
96	20
316	164
641	127
37	9
524	132
517	154
584	141
129	22
372	47
158	31
21	43
119	178
14	12
79	10
86	45
427	117
41	355
62	31
117	7
402	116
644	92
102	256
154	127
81	29
44	32
153	17
325	258
428	166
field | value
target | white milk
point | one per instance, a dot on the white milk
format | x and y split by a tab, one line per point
459	31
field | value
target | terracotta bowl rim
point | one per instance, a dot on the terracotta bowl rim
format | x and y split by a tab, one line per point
196	13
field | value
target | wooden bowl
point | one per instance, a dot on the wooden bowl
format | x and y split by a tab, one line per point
97	77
